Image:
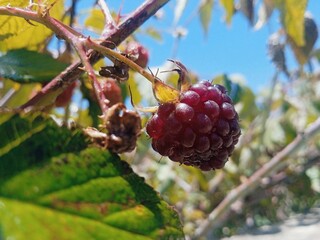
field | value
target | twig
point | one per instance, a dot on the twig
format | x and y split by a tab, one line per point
109	23
116	36
80	48
253	182
111	53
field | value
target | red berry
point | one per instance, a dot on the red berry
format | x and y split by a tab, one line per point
111	90
138	53
228	111
65	97
191	98
200	130
184	112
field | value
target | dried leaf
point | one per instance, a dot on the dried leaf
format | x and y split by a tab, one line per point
302	53
292	15
229	9
164	93
246	7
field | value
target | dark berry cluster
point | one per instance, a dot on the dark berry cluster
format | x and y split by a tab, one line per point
200	130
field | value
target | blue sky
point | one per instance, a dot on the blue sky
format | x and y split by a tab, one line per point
226	49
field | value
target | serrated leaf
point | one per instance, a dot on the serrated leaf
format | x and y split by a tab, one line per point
26	66
292	15
164	93
228	5
205	11
75	193
17	33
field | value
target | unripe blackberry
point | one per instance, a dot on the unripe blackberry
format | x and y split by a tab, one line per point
138	53
199	130
111	90
65	97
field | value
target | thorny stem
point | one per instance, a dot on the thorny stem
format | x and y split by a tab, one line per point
79	46
109	22
114	36
253	182
111	53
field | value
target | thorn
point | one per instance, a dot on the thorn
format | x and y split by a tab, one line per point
28	21
172	70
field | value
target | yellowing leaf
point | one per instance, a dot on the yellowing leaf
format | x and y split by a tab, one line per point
205	14
95	21
16	32
134	90
229	8
292	15
310	37
164	93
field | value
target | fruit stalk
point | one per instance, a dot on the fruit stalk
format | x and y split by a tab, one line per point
115	36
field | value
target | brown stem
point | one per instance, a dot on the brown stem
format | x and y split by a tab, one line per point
116	36
253	182
111	53
109	22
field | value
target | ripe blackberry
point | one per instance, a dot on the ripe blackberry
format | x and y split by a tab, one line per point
199	130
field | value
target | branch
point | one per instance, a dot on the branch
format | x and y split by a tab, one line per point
253	182
115	36
111	53
109	23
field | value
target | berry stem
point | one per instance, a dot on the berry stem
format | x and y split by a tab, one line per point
111	53
215	218
109	22
74	71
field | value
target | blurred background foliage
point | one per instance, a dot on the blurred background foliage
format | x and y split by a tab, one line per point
270	118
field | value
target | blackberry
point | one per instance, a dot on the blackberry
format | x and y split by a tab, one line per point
199	130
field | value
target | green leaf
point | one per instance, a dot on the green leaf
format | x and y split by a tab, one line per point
72	192
16	32
229	8
302	53
234	89
26	141
154	33
205	14
292	17
26	66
